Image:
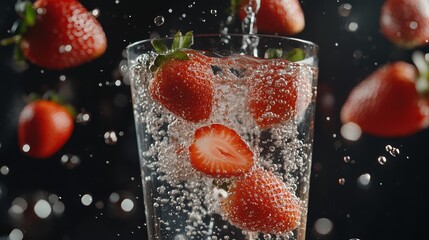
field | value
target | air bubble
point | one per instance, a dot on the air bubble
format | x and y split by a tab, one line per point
83	118
110	138
70	161
342	181
382	160
159	20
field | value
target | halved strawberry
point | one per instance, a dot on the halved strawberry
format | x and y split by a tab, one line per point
219	151
261	202
182	82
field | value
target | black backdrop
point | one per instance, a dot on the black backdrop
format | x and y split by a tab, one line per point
391	206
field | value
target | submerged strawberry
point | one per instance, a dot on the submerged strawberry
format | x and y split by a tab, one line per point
260	202
58	34
182	82
387	103
273	92
220	152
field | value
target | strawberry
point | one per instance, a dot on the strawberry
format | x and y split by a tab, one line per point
59	34
260	202
44	126
220	152
273	92
405	22
387	103
276	16
182	81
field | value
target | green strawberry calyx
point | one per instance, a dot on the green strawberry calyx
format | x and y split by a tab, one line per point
52	96
422	82
293	55
27	18
180	42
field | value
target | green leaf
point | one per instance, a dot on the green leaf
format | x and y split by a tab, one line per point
159	60
159	46
294	55
10	40
30	14
17	53
176	41
274	53
180	55
187	40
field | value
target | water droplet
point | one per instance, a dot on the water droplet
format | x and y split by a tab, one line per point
86	199
95	12
382	160
323	226
83	118
159	20
110	137
70	161
344	10
392	150
4	170
364	180
346	159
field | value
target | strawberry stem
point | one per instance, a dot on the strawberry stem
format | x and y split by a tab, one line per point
179	42
422	81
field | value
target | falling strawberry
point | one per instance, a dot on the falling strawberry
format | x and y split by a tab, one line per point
182	82
276	16
220	152
387	103
44	126
58	34
272	96
405	22
261	202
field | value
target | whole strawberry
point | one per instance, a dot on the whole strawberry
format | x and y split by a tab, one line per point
182	81
405	22
284	17
387	103
44	126
261	202
58	34
273	92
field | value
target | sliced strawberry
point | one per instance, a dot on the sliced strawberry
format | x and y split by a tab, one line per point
220	152
261	202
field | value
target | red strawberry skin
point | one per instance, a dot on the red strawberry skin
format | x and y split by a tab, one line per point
65	35
387	103
273	93
261	202
185	87
405	22
284	17
45	127
220	152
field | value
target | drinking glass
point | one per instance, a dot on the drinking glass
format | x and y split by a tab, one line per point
190	113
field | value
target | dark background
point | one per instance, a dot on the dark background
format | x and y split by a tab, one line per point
392	206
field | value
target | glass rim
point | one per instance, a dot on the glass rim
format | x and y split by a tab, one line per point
289	38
